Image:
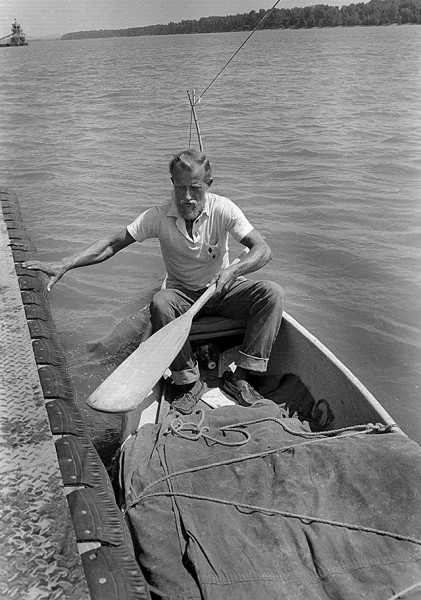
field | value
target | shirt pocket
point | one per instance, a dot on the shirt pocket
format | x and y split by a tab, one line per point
210	252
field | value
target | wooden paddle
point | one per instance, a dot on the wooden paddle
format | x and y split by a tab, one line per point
132	381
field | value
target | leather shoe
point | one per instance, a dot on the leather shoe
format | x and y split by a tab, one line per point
241	390
187	396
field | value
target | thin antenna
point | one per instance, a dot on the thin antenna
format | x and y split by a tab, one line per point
196	122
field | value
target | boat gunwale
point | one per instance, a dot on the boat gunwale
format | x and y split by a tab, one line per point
345	371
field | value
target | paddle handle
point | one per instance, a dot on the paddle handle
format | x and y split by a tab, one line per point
200	302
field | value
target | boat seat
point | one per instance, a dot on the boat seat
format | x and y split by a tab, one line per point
212	327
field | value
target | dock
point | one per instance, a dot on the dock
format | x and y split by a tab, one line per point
62	533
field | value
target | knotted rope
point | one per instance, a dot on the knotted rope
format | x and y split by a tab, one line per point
177	426
199	430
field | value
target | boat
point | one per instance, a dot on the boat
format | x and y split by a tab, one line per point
16	38
309	494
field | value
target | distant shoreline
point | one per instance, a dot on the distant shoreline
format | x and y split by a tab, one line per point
373	13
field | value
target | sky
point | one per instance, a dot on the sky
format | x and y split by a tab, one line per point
40	18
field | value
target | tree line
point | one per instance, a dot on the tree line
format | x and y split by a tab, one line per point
375	12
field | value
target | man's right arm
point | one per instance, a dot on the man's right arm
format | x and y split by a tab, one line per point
98	252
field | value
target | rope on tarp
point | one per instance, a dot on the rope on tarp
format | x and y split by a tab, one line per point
177	426
366	428
405	591
198	430
357	430
306	519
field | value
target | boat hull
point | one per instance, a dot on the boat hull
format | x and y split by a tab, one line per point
299	352
13	45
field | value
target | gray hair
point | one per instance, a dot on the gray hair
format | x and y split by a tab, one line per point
189	159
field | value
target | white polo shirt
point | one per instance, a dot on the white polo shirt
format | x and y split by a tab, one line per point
192	262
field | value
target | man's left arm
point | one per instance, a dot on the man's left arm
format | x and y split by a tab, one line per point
260	254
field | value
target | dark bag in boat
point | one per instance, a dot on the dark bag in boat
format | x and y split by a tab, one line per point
245	504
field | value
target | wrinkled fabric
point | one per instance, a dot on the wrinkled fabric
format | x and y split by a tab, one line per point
192	548
260	303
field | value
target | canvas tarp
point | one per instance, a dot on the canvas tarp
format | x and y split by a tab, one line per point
245	504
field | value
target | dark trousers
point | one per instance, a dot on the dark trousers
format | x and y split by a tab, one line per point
259	302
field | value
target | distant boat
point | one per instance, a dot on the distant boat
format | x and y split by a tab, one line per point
17	37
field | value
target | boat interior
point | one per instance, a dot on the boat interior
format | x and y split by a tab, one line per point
303	376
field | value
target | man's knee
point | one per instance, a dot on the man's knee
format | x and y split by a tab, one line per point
163	305
273	294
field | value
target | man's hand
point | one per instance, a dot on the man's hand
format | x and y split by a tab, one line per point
223	280
253	258
55	270
95	253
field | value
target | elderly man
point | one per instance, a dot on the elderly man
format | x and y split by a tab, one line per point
193	230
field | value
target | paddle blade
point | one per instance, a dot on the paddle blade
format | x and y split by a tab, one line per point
132	381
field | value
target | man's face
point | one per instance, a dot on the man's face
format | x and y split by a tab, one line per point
190	191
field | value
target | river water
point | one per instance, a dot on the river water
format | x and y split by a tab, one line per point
316	134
